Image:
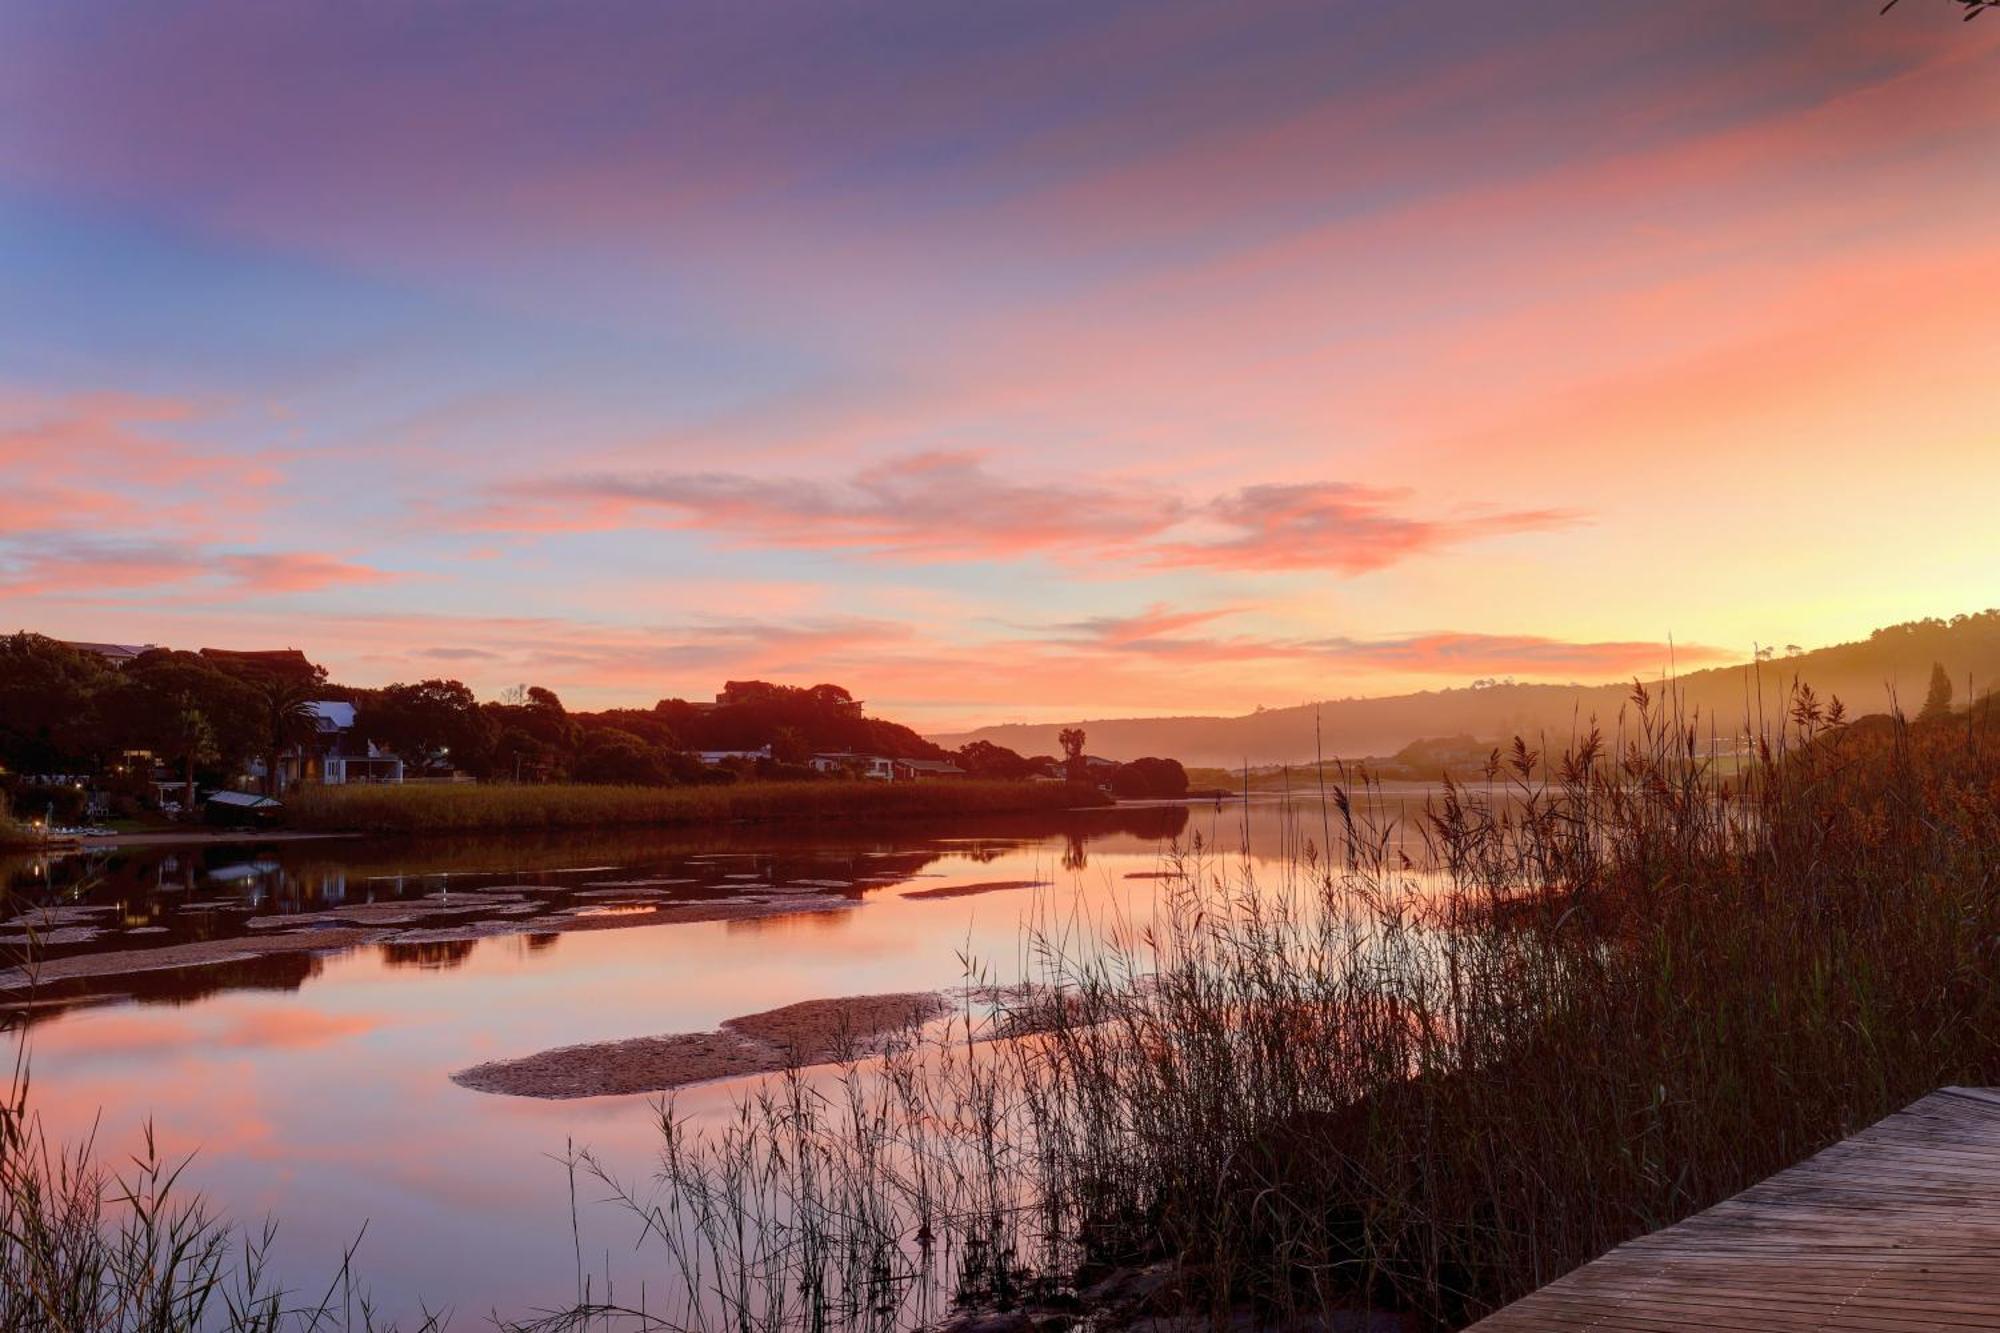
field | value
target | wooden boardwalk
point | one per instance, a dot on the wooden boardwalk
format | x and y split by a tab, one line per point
1895	1230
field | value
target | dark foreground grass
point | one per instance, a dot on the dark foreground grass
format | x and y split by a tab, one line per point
1425	1068
461	807
1429	1072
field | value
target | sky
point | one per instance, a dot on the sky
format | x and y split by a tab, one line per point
998	362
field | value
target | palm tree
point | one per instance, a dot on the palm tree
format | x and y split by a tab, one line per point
289	720
191	737
1072	740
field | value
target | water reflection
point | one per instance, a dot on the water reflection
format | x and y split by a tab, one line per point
316	1086
118	900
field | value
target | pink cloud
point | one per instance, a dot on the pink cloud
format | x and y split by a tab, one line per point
99	497
49	564
952	507
1156	621
1152	661
294	571
1335	525
932	505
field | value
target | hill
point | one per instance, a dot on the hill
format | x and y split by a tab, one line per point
1892	663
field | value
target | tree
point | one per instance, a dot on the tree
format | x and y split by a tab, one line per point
613	757
432	723
1071	739
51	702
984	759
1150	779
789	746
157	688
1937	703
191	736
1973	8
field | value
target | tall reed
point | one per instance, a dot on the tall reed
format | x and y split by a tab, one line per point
88	1249
1425	1065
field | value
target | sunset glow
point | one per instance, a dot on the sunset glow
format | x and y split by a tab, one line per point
998	363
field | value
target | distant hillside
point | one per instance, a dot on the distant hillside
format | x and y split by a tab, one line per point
1895	660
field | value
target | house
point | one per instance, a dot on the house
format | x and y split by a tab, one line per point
346	757
117	654
931	770
878	768
870	767
713	758
337	756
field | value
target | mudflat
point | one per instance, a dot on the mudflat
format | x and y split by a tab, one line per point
808	1033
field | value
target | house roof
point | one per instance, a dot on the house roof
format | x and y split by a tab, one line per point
333	714
270	661
243	800
115	652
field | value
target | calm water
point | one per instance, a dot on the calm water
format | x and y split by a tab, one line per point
315	1088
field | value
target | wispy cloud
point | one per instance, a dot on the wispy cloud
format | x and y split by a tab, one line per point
1337	526
103	494
946	506
940	506
76	564
1159	631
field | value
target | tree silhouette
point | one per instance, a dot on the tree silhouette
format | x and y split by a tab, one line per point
1972	8
1937	703
1071	739
192	737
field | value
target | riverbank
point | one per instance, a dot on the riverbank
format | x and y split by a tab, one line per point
461	808
178	837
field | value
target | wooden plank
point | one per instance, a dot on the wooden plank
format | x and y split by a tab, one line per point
1894	1230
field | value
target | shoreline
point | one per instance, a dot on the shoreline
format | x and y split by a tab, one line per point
496	807
199	838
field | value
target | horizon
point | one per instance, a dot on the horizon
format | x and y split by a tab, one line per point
1124	362
1770	654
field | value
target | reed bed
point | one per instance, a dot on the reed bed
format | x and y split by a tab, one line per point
1426	1072
465	807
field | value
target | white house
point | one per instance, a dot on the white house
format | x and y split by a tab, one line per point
872	767
345	757
714	757
337	756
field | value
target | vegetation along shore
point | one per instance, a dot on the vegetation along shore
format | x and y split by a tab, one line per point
463	807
